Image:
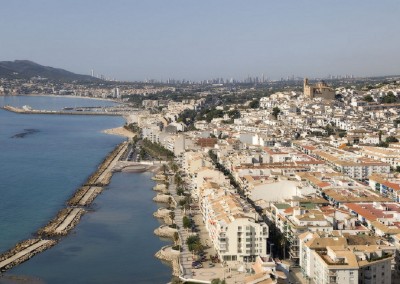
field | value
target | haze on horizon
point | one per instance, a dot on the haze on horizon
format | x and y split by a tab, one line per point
197	40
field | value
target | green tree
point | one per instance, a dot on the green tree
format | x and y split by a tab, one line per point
276	111
254	104
391	139
390	98
368	98
187	223
235	113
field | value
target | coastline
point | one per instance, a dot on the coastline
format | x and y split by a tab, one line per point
120	131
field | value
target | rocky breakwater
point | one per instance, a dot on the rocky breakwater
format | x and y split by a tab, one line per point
161	188
168	253
165	214
162	198
165	231
23	251
66	218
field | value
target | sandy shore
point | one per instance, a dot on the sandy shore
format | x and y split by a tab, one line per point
120	131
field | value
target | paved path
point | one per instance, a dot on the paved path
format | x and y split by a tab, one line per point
88	194
71	216
113	163
23	253
185	256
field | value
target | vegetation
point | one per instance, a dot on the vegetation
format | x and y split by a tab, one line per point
218	281
180	191
391	139
133	127
254	104
156	150
275	112
389	98
194	243
187	222
368	98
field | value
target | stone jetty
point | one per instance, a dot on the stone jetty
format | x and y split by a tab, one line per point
23	251
66	218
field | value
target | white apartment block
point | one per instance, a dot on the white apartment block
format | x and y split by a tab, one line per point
233	226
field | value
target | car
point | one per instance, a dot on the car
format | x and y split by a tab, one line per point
198	266
211	265
196	262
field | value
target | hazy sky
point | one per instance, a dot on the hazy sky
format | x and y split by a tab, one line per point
202	39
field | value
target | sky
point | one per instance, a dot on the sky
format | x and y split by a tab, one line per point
203	39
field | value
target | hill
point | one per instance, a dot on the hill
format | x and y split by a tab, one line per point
25	69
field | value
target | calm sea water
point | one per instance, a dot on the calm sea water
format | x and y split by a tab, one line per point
43	159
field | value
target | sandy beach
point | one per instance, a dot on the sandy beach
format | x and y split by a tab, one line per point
120	131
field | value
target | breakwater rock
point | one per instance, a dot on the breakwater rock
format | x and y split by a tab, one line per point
162	198
65	220
23	251
165	231
168	254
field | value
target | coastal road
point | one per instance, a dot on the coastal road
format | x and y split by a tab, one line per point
23	253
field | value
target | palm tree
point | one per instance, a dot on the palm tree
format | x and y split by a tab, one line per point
164	168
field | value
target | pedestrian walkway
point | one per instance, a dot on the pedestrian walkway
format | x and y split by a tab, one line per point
185	256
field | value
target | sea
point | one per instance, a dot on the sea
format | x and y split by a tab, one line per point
43	160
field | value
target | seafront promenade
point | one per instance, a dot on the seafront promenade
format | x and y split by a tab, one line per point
68	217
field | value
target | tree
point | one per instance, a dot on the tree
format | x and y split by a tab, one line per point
391	139
174	167
254	104
234	113
187	223
176	237
164	168
172	216
390	98
368	98
276	111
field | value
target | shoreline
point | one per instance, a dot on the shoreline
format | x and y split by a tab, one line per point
67	218
119	131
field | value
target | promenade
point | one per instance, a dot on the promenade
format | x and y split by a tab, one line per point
185	259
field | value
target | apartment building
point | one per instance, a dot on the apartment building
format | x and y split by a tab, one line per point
233	226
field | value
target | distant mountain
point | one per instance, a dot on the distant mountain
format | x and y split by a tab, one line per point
25	69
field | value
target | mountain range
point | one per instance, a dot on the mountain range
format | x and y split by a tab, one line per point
25	69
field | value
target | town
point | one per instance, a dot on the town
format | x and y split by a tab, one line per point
277	182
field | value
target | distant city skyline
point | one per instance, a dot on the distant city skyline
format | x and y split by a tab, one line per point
200	40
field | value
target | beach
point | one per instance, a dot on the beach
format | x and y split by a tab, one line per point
120	131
